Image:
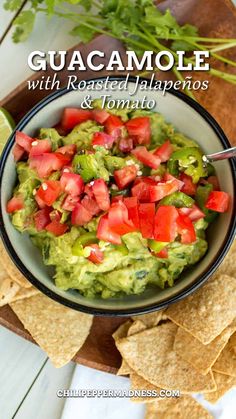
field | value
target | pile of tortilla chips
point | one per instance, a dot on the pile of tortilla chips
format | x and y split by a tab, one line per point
58	330
190	347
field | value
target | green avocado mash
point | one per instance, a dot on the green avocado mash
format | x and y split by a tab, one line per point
136	262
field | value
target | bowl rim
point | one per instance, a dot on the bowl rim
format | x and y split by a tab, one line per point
148	308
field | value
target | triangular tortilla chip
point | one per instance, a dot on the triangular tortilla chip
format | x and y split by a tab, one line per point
224	383
184	407
11	269
226	363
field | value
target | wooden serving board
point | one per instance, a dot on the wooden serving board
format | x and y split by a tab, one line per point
214	18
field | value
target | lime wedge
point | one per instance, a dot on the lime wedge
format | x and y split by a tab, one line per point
6	127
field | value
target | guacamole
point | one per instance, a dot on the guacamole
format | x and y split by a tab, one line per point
115	201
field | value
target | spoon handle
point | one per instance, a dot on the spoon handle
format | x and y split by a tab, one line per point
221	155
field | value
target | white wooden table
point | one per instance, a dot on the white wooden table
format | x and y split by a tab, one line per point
28	381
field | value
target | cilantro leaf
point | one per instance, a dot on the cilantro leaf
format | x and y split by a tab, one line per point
24	25
12	5
85	34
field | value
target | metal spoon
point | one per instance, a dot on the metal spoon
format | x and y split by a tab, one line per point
220	155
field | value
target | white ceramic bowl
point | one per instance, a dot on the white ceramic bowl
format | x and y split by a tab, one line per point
189	118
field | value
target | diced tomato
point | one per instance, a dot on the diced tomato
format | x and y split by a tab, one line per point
100	115
18	152
80	215
186	230
103	139
42	218
14	204
39	147
96	255
67	169
46	163
104	232
146	219
188	187
101	194
164	151
118	219
126	145
139	129
213	180
49	191
40	202
163	189
131	204
88	189
165	229
194	213
113	126
167	176
24	140
70	202
72	184
117	198
56	228
91	205
147	158
218	201
55	215
163	254
74	116
125	176
141	188
68	150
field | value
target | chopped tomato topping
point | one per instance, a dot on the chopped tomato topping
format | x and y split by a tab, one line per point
113	126
80	215
57	228
72	184
55	215
101	194
118	219
104	232
186	230
126	145
42	218
18	152
141	188
100	115
49	191
96	255
146	219
103	139
39	147
70	202
91	205
165	228
188	186
218	201
125	176
74	116
131	204
147	158
163	254
14	204
194	213
164	151
117	198
163	189
24	141
139	129
68	150
46	163
167	176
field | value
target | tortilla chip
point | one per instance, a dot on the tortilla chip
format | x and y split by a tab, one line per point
122	330
228	266
124	368
184	407
224	383
208	311
151	319
226	363
150	354
8	289
202	357
59	331
138	383
136	327
11	269
25	293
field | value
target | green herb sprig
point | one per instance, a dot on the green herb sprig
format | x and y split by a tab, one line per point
136	23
